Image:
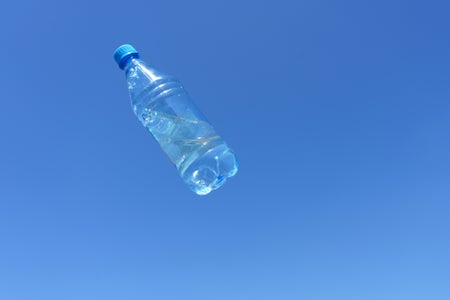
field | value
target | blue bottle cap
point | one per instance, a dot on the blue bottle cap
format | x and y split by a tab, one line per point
123	53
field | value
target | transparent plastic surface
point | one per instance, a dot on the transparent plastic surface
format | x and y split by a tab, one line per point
201	156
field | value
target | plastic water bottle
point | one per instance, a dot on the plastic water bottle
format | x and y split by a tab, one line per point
160	102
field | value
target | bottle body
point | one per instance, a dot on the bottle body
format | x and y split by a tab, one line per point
160	102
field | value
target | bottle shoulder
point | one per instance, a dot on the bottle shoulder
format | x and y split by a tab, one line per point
141	76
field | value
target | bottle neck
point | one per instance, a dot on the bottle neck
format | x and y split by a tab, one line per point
135	67
131	62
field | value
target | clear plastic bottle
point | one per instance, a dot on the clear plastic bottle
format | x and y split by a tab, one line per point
160	102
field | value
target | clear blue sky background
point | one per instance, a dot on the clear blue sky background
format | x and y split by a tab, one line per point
339	112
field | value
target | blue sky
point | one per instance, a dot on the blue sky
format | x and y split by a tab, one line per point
338	111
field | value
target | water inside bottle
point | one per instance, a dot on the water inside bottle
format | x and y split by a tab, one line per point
202	157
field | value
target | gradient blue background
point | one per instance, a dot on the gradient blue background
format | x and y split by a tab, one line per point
338	110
